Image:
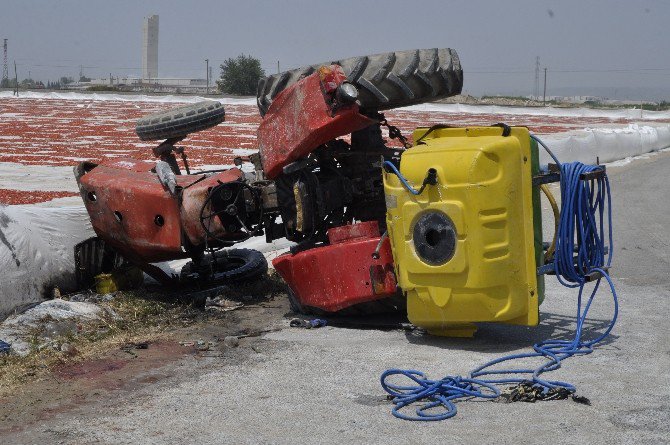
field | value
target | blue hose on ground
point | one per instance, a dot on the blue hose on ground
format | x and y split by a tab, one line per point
582	222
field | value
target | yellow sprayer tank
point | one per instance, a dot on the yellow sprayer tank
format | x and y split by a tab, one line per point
467	249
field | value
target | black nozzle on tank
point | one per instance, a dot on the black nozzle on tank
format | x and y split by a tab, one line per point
431	177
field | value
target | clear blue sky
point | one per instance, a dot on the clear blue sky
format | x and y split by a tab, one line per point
624	45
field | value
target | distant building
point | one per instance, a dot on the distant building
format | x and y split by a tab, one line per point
150	48
130	83
580	99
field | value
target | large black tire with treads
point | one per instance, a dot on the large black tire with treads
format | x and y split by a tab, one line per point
384	81
180	121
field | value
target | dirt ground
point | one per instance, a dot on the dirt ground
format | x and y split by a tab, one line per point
74	384
322	385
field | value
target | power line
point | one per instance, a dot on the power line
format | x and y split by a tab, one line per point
513	71
101	67
544	95
632	70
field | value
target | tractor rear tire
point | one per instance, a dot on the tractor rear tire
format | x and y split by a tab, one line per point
181	121
384	81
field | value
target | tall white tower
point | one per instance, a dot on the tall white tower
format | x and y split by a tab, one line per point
150	48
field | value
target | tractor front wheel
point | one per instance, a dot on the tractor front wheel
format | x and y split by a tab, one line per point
181	121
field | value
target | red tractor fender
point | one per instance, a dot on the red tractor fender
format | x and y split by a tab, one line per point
343	273
302	117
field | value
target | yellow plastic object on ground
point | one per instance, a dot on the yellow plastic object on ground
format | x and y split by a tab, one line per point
465	250
120	279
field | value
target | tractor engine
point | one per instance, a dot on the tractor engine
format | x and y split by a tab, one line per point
338	184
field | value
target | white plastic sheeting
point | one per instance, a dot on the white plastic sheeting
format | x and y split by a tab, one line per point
46	178
621	113
73	95
607	144
37	251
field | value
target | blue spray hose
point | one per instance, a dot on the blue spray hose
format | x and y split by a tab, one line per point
404	181
582	221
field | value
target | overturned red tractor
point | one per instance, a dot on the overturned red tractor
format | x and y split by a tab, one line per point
309	185
449	227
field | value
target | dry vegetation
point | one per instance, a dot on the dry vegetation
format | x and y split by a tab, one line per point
134	317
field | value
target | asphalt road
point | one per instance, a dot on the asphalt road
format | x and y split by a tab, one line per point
322	386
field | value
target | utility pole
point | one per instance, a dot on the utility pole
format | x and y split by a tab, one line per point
16	80
207	69
536	89
211	76
277	66
544	95
5	68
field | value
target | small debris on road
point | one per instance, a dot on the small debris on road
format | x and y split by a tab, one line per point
231	341
222	304
135	345
68	349
130	347
200	345
308	324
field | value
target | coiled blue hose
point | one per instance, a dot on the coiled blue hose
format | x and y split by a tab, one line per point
436	392
582	223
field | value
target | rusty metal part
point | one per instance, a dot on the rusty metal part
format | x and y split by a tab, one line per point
194	197
269	195
135	214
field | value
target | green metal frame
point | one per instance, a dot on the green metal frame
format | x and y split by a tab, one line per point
537	218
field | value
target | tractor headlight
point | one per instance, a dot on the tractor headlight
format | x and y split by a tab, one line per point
347	93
